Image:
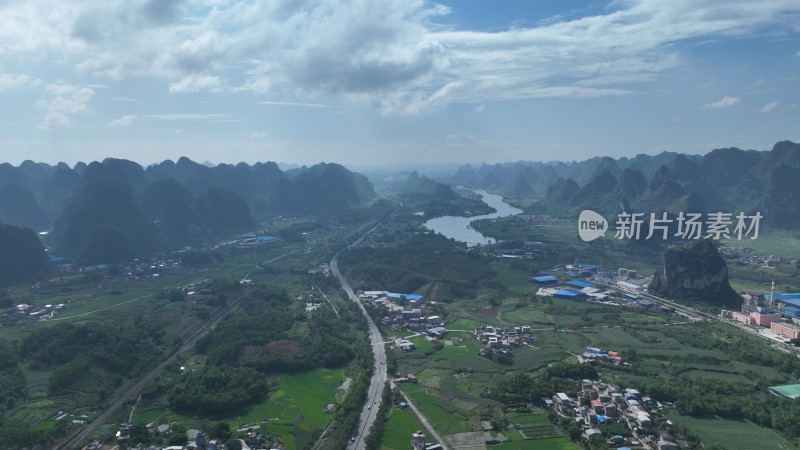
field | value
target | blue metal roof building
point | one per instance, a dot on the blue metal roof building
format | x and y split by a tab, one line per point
409	297
579	283
790	297
568	294
543	279
791	311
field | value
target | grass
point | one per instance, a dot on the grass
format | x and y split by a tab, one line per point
304	394
559	443
515	279
462	323
397	433
772	242
731	433
300	394
431	406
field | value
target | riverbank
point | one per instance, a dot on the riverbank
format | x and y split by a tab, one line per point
459	227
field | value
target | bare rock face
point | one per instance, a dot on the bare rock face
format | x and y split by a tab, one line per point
696	273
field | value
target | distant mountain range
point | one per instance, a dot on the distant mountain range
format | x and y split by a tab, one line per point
116	209
724	180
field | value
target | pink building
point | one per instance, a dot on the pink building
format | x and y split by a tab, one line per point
765	317
786	330
744	318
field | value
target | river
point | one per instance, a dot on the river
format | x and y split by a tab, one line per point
459	228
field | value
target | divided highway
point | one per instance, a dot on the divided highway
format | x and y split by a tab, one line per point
373	403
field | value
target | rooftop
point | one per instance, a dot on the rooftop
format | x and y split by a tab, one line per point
787	390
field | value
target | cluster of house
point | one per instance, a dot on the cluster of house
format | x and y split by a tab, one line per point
502	339
594	354
782	317
248	240
418	442
133	269
598	402
25	313
746	256
197	440
405	311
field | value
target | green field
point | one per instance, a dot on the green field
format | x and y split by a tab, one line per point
296	409
300	395
732	434
439	411
397	432
559	443
462	323
770	242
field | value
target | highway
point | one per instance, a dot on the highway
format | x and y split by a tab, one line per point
373	403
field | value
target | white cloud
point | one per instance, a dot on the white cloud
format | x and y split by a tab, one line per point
123	121
724	102
195	83
189	116
10	81
462	138
307	105
391	54
126	99
66	101
777	106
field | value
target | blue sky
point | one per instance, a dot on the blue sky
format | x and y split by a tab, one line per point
394	81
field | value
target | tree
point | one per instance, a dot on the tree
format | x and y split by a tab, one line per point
220	430
176	295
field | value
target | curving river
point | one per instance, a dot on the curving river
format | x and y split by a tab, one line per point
459	228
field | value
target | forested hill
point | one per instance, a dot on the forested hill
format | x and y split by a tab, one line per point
114	210
23	257
34	195
725	179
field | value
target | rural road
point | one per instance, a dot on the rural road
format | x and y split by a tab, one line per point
373	403
424	421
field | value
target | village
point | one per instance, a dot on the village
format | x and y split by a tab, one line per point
252	440
599	403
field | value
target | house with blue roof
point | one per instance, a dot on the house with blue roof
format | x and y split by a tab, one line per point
580	284
543	279
569	294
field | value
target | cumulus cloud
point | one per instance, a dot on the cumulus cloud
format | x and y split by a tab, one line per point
391	54
9	81
195	83
65	102
307	105
189	116
724	102
777	106
123	121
